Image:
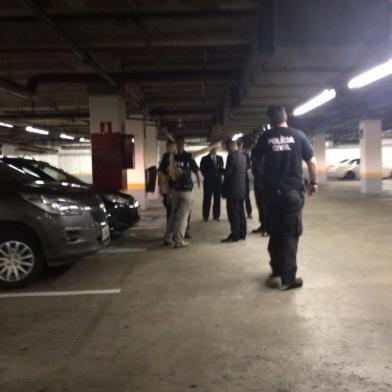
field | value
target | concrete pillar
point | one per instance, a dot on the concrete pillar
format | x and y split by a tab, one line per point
319	153
9	149
107	116
136	177
371	156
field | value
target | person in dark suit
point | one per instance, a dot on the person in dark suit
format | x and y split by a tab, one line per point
234	189
211	167
248	204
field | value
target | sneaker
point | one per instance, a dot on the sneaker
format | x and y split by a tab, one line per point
257	231
264	234
181	244
296	284
273	281
168	243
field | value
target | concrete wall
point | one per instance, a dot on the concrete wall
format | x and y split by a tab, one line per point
75	162
78	162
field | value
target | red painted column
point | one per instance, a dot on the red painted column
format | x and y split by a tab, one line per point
107	116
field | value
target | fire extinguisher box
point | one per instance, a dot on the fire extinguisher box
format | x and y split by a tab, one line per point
108	162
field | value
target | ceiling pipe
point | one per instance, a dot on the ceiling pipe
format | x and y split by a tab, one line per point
192	75
15	89
45	116
195	13
82	54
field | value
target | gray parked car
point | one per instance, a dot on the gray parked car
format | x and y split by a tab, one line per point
44	224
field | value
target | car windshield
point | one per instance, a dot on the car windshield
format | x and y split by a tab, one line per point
54	173
12	174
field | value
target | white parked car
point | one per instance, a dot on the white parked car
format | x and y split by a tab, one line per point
351	170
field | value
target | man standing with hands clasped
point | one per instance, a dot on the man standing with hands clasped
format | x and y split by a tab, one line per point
211	167
283	149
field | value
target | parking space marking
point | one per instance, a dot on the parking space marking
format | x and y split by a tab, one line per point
122	250
149	227
60	293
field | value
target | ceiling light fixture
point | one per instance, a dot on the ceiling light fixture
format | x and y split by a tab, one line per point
324	97
372	75
237	136
37	130
6	125
65	136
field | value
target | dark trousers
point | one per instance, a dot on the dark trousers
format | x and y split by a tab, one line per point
261	207
248	204
285	228
237	219
214	190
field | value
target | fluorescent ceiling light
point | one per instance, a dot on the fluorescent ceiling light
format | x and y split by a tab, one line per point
376	73
37	130
237	136
2	124
324	97
84	140
65	136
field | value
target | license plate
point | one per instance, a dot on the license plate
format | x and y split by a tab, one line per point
105	233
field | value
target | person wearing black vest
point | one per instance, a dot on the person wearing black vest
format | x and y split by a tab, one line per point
283	150
211	166
180	168
234	190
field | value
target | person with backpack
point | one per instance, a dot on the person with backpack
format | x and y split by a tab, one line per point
180	167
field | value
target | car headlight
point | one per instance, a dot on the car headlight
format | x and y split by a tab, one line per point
135	204
55	204
115	199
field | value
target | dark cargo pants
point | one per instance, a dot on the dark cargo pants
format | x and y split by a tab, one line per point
285	228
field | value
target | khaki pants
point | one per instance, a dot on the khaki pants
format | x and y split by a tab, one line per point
181	205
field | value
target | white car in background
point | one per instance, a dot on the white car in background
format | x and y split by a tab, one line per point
351	170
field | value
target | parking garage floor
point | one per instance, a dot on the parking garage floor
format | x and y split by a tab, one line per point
201	318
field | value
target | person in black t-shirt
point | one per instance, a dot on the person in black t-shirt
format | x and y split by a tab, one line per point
283	150
180	167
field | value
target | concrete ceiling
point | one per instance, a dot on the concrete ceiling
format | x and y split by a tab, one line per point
211	66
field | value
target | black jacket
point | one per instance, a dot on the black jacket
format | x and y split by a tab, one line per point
234	185
212	173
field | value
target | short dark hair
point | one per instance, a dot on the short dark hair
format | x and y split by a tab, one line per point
277	114
179	138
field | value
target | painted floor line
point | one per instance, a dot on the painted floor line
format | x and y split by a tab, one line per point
122	250
60	293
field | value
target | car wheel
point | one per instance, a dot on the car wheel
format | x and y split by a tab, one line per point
350	175
21	261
